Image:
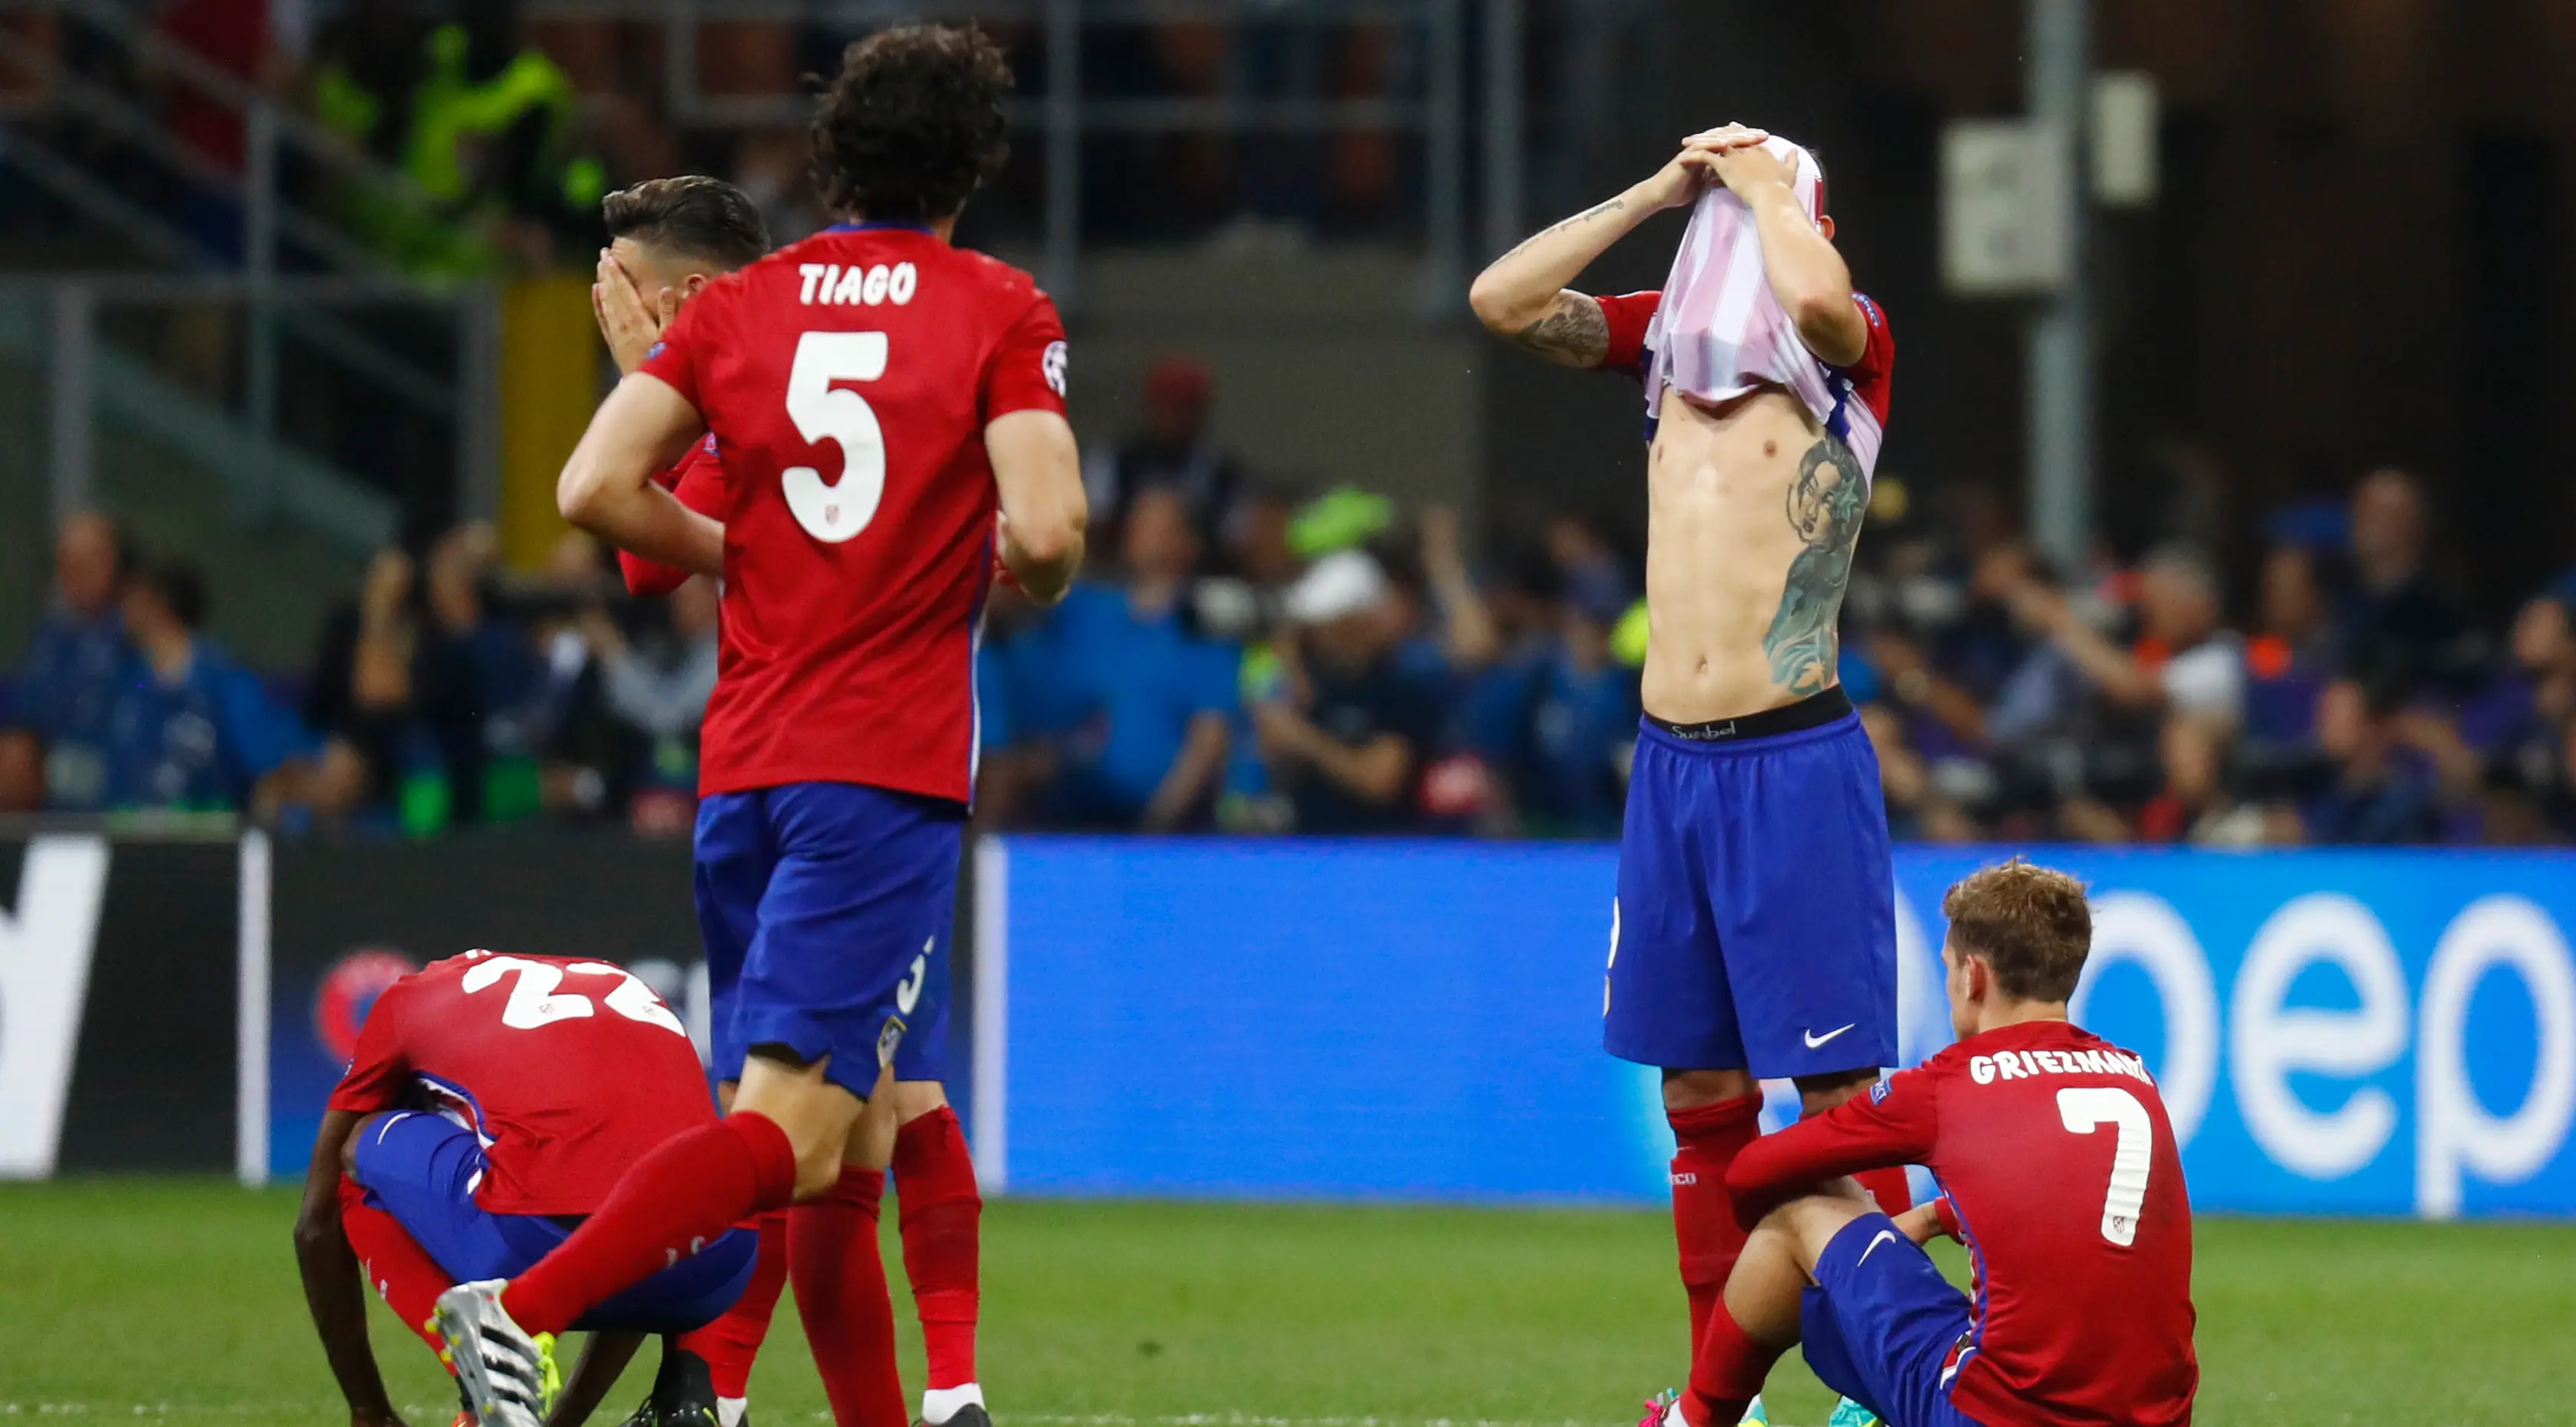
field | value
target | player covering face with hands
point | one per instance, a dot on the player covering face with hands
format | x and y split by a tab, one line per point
1754	933
670	238
876	397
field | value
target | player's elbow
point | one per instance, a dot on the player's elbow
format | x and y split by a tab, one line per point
580	497
315	1232
1830	323
1502	310
1052	543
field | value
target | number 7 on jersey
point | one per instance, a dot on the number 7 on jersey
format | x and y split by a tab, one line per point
2081	1109
834	511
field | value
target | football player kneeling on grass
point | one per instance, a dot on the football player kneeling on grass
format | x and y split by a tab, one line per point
491	1104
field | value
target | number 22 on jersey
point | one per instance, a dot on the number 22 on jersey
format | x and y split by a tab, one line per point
834	511
535	1002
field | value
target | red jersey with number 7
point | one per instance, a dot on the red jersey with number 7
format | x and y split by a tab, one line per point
848	380
2062	1177
568	1071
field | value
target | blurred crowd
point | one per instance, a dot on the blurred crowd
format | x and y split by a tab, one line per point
1253	658
1247	655
2346	698
444	692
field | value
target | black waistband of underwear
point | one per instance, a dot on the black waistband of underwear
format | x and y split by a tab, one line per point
1813	711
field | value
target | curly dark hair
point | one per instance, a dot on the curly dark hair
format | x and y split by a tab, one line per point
912	125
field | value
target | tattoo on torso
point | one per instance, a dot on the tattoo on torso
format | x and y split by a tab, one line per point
1826	505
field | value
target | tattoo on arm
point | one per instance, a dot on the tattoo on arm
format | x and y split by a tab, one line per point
1612	205
1573	333
1826	505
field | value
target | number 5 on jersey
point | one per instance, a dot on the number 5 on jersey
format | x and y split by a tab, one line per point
836	510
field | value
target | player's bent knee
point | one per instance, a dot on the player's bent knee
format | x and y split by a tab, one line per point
1810	1221
815	1114
916	1098
1692	1089
357	1133
1819	1093
817	1170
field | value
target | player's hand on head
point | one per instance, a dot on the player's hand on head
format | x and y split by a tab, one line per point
1680	183
627	321
1725	137
1694	169
1745	167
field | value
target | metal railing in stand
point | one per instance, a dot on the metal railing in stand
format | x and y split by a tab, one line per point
271	225
90	380
1066	113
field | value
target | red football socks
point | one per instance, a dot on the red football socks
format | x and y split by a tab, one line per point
1726	1373
673	1201
396	1267
1709	1137
941	1214
731	1342
1889	1188
840	1279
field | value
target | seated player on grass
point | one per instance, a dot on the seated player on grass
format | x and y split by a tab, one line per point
2058	1170
492	1102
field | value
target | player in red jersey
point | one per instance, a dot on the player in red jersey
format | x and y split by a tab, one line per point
2058	1169
669	238
877	394
491	1100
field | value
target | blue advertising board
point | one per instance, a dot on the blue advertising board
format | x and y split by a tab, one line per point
2333	1032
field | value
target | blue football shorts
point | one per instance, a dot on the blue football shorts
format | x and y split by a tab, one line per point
827	910
422	1169
1756	922
1881	1326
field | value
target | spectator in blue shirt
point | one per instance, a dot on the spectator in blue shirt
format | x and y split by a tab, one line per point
1142	701
58	715
2383	793
192	730
1583	718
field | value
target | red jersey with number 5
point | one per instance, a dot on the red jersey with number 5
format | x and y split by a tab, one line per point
848	380
2062	1177
567	1070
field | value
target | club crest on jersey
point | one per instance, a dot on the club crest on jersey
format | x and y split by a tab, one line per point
889	1040
830	284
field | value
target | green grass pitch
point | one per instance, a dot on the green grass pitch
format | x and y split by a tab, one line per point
177	1300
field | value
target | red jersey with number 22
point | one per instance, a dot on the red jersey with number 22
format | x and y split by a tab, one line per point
847	380
568	1070
2061	1173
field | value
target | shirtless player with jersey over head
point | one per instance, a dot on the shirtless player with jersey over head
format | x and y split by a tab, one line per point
1754	932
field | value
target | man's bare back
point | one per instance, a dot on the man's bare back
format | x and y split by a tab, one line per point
1753	507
